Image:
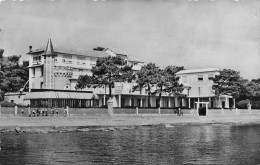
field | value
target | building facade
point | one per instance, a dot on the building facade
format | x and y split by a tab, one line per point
54	71
17	98
124	96
198	85
53	74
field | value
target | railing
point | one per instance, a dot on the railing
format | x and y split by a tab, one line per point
36	62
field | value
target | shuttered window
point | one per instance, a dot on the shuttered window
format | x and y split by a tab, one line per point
200	77
210	76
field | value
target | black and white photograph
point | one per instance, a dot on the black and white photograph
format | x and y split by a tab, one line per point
130	82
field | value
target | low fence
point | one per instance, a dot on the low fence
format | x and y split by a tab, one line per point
5	111
147	111
184	111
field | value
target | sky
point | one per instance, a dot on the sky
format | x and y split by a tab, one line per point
190	33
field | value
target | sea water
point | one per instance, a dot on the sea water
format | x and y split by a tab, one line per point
183	144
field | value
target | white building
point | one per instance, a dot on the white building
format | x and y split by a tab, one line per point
198	87
53	74
17	98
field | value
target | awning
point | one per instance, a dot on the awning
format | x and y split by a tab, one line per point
58	95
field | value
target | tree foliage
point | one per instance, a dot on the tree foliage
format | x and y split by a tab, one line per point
99	49
228	82
168	82
250	89
107	71
1	53
257	81
13	76
146	78
158	81
243	104
172	85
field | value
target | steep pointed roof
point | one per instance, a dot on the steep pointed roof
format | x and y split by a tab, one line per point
49	48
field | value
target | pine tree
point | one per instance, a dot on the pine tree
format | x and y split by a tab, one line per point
106	72
13	76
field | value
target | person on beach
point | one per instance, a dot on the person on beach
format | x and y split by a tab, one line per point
43	112
46	112
34	113
65	111
29	112
52	111
22	111
57	112
37	112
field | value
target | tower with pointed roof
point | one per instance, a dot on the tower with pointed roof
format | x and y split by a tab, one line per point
49	60
54	72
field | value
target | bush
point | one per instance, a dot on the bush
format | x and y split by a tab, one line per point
103	106
216	108
256	105
243	104
7	104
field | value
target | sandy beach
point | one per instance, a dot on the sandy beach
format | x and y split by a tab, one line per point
73	123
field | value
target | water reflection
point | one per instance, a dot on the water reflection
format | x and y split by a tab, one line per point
201	144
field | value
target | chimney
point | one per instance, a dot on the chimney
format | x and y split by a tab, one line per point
30	48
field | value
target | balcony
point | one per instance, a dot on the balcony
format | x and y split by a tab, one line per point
38	62
81	63
68	62
60	73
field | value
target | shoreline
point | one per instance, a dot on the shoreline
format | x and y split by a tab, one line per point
115	122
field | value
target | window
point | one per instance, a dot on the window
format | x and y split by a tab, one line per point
67	59
184	79
200	77
67	56
67	87
36	59
81	58
210	76
92	61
